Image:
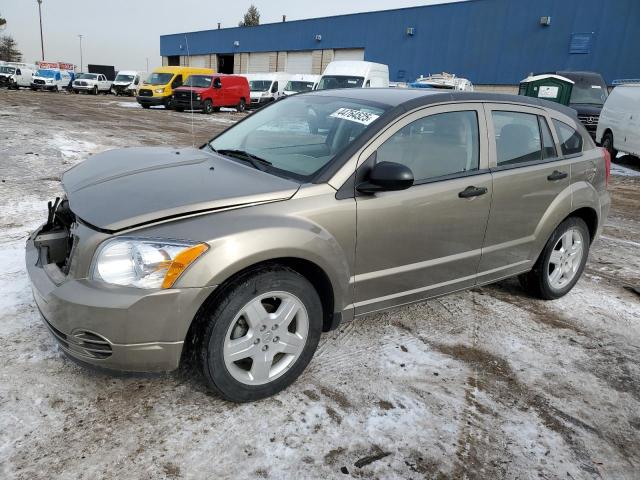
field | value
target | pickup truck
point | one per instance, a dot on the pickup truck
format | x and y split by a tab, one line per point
91	83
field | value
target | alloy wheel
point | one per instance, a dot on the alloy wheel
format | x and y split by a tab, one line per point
565	259
266	338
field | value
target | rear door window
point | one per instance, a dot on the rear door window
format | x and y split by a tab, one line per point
435	146
517	137
570	139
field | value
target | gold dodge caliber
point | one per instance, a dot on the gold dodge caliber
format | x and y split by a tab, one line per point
317	209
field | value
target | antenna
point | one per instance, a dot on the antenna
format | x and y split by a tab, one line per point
193	139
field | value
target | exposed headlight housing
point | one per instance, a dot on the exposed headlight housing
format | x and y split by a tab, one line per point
144	263
159	90
198	97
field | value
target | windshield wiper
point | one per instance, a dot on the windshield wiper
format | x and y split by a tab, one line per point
257	162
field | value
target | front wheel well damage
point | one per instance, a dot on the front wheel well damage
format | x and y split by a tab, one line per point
311	271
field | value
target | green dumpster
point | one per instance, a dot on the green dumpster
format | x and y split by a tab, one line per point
548	87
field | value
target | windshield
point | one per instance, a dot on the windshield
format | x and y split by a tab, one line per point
329	82
45	73
88	76
159	78
9	70
124	78
299	86
201	81
259	85
589	89
299	135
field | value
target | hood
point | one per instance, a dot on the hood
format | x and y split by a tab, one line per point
190	89
586	109
128	187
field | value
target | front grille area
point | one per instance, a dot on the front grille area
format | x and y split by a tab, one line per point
184	96
80	83
82	343
145	92
37	81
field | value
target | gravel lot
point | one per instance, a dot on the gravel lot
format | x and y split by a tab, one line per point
483	384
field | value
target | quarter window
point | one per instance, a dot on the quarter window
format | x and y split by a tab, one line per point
570	139
435	146
517	137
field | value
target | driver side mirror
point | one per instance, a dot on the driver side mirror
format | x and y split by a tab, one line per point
387	177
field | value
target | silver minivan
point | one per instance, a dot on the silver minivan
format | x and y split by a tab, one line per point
314	210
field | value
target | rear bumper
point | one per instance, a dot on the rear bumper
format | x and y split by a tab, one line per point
117	328
153	101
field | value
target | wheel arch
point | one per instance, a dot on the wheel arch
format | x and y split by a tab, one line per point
308	269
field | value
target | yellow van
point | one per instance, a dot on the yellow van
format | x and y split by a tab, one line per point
158	87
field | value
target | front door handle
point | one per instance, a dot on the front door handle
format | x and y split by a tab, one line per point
557	175
471	192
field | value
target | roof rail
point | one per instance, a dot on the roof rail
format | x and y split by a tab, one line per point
626	81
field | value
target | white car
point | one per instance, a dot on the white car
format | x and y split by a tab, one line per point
91	83
15	77
52	79
127	82
619	124
300	83
354	74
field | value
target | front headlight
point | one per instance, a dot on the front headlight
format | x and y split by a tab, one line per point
144	263
159	90
198	97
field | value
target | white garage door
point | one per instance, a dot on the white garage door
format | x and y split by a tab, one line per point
348	54
299	62
258	63
199	61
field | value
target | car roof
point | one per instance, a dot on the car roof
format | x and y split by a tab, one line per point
410	98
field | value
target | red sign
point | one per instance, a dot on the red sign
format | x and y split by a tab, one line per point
59	65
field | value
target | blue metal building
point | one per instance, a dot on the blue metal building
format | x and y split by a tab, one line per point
488	41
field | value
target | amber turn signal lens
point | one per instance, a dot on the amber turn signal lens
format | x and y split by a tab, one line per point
182	262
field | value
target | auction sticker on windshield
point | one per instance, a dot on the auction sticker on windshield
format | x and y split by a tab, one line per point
358	116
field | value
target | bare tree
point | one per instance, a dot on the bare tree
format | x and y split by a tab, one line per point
251	18
3	22
9	49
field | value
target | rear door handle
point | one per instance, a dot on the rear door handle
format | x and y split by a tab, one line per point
557	175
471	192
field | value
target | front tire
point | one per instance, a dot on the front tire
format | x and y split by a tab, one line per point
207	108
607	144
95	90
561	263
262	334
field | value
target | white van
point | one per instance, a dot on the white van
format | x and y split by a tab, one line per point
127	82
619	124
13	76
354	74
301	82
266	87
52	79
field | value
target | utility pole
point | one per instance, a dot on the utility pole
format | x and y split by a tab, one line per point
41	37
81	65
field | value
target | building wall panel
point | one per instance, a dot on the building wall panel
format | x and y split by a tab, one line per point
487	41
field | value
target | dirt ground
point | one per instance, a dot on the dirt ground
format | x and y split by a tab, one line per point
487	383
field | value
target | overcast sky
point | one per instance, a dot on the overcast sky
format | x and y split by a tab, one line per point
125	33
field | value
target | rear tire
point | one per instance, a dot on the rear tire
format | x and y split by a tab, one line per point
242	105
144	105
561	262
261	335
607	144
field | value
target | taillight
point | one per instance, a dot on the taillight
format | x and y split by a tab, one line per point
607	164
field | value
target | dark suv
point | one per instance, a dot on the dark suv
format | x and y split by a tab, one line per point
587	97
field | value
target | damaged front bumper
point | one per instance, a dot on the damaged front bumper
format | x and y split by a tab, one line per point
119	328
